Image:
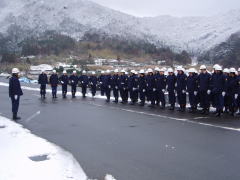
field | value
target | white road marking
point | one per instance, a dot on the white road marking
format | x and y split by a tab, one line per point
33	116
172	118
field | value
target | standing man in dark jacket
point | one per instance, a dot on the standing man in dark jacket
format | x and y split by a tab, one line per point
107	83
151	87
142	83
181	88
123	86
93	83
84	80
133	87
192	87
204	89
54	83
73	80
171	88
160	79
64	81
100	80
115	85
43	81
15	92
218	87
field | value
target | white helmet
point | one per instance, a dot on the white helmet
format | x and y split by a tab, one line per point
84	72
93	73
150	71
54	71
123	71
133	71
64	72
216	65
74	72
116	71
226	70
180	68
192	70
108	71
238	69
218	68
203	67
157	69
162	70
232	70
141	71
15	71
102	72
170	70
42	71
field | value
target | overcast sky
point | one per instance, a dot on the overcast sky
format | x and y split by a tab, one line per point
171	7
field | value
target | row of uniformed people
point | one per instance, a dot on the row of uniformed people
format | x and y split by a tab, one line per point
217	89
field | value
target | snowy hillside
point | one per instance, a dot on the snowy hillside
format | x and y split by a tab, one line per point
76	17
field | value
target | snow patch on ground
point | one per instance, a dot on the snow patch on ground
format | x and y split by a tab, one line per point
25	156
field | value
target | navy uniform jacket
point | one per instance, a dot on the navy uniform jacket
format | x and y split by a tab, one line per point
54	80
115	81
123	82
232	85
204	81
133	82
107	81
42	79
93	80
64	79
192	83
171	82
218	83
181	82
160	81
84	80
100	79
151	83
73	79
142	83
14	87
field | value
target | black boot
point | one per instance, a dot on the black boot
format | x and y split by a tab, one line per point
15	117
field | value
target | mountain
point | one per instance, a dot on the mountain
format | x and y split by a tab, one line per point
23	18
226	53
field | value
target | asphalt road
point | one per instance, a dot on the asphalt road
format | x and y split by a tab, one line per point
131	142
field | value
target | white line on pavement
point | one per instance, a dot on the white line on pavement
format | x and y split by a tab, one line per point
33	116
172	118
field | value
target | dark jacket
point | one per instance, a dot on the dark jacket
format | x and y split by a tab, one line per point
14	87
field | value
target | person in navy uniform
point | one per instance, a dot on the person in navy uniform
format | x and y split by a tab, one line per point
84	80
64	82
142	83
123	87
115	85
100	80
43	81
232	90
238	92
192	88
15	92
171	88
73	81
218	89
54	80
204	90
133	87
93	80
181	88
161	80
107	82
227	99
151	87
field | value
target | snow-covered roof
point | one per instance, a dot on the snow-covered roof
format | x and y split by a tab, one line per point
44	67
